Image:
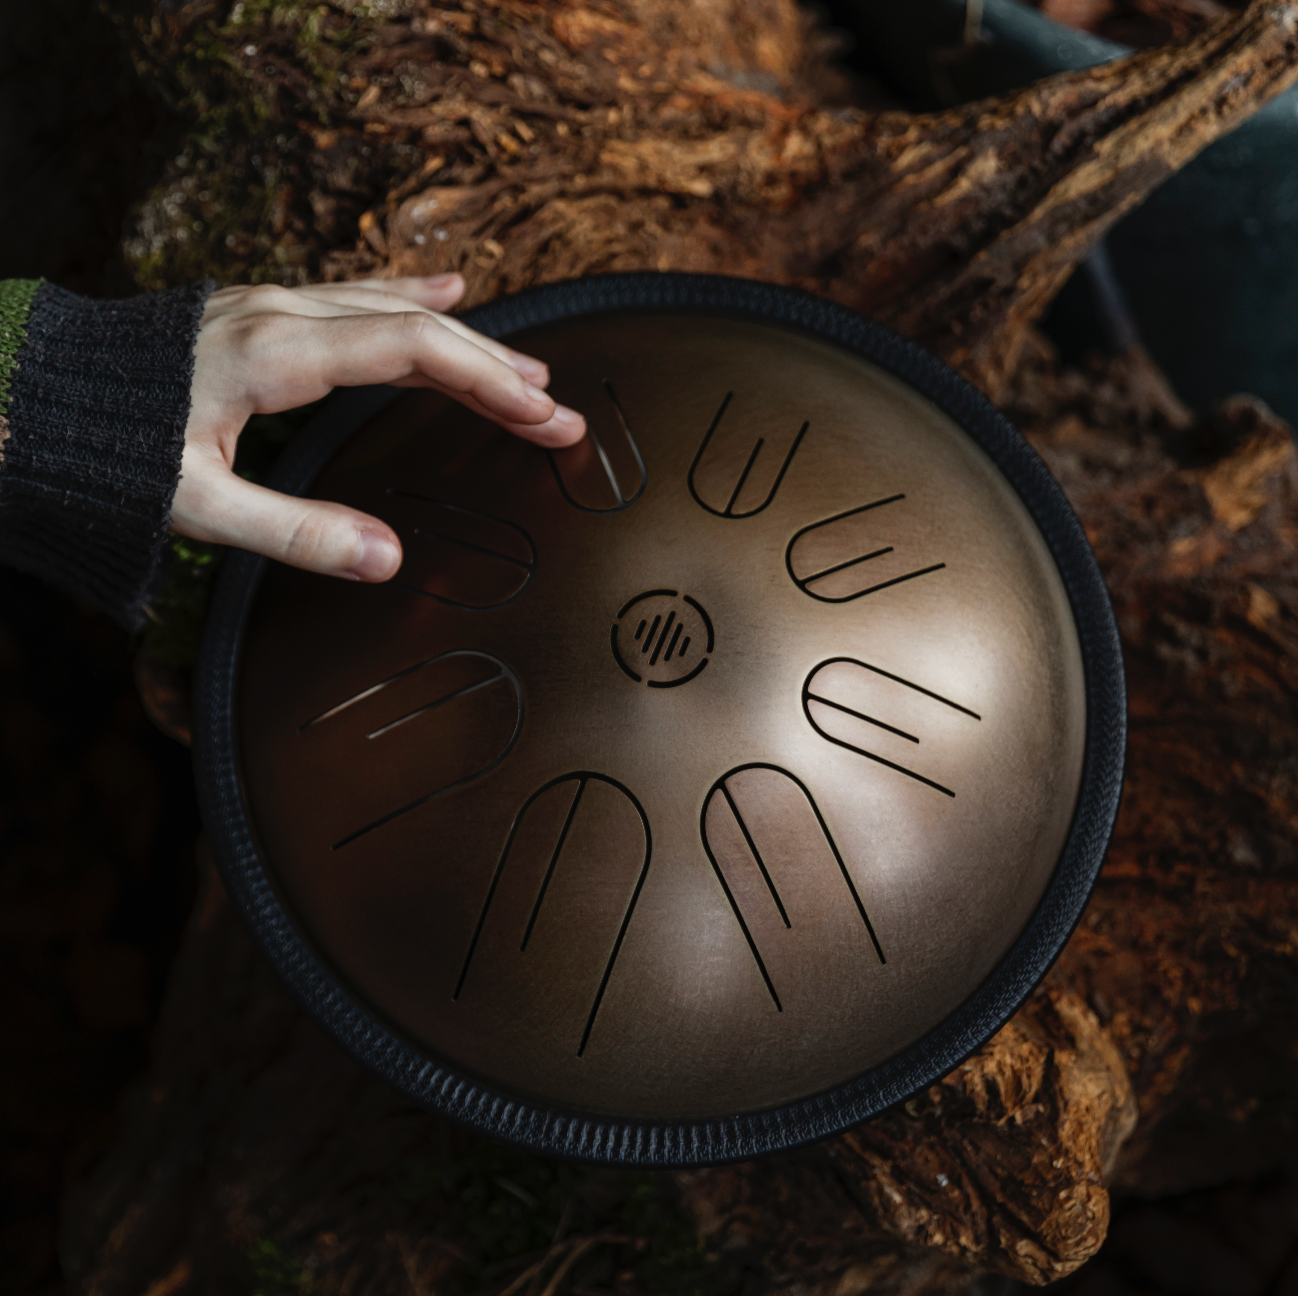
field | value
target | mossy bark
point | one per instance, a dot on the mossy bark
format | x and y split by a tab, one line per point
521	143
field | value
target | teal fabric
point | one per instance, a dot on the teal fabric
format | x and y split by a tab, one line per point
1209	263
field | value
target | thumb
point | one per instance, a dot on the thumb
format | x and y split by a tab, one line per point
214	504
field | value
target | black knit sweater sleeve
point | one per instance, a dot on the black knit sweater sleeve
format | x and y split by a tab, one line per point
94	398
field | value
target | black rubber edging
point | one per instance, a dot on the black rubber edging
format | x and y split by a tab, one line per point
547	1131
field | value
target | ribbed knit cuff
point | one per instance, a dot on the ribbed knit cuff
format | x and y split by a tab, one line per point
94	426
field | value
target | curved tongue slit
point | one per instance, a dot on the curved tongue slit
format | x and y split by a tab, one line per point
851	554
603	472
743	456
459	555
433	726
887	719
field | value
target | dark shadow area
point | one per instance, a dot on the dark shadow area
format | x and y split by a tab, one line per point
80	142
98	822
97	811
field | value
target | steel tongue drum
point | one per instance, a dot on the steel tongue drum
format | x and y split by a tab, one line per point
690	793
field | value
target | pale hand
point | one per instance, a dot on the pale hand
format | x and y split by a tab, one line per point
266	349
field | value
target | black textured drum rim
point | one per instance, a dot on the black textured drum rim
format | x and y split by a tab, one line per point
550	1131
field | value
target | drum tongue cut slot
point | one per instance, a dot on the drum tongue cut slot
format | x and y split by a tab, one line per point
837	560
604	472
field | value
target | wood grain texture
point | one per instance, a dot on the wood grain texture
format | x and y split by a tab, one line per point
524	143
958	229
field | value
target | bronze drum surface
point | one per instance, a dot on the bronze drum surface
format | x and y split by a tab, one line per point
690	771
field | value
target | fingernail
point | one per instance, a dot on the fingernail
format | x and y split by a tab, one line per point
440	280
536	394
379	558
568	418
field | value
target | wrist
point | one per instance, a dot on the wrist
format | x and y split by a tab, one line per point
96	397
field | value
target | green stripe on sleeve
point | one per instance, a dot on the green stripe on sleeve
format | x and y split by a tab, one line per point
16	296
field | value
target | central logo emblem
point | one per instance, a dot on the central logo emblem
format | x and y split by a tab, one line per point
662	638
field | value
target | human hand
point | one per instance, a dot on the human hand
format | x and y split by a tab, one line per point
266	349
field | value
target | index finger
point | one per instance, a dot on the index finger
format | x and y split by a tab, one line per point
305	357
380	295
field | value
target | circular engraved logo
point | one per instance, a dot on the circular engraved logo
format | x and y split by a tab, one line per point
662	638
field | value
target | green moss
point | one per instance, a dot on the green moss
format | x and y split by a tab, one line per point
504	1210
503	1204
16	297
672	1259
173	631
276	1273
238	71
210	221
243	83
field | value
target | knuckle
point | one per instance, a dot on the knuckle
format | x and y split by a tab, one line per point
316	539
302	543
269	297
420	329
254	335
230	296
498	383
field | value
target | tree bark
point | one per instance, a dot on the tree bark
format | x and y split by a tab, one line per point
521	143
546	141
957	229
